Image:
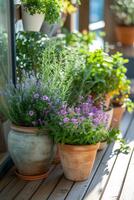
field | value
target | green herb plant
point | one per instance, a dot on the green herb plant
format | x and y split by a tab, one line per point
50	8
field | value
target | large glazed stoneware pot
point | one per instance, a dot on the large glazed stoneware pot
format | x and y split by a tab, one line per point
31	152
32	22
77	160
125	35
117	116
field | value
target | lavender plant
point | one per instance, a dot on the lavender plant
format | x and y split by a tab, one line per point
29	104
81	125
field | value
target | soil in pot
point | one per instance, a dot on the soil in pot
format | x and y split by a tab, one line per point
117	116
125	35
31	153
77	160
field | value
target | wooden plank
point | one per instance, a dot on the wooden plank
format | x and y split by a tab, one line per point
79	189
117	176
31	187
128	191
84	15
28	190
7	179
12	189
61	190
49	184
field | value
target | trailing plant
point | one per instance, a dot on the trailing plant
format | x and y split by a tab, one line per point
101	75
81	125
123	11
29	49
28	104
50	8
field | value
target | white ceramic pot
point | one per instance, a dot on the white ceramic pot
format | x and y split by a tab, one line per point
32	22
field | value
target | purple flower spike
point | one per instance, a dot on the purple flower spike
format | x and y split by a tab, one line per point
74	121
36	95
66	120
45	98
31	113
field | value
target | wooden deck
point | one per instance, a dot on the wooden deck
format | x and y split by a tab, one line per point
112	177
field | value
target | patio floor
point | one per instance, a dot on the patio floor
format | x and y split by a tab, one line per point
112	177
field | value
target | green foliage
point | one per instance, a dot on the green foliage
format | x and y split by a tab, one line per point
80	40
29	104
29	49
100	76
51	8
60	66
124	11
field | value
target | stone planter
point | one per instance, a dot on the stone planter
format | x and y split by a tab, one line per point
77	160
31	153
125	35
31	22
117	116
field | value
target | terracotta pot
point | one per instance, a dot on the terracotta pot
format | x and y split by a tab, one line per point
125	34
117	116
77	160
107	101
32	153
102	146
110	115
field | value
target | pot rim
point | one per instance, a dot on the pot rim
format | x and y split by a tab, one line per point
25	129
80	147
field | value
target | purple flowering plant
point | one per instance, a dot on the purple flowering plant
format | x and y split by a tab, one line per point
29	104
84	124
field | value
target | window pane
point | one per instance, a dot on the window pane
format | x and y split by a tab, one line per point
96	10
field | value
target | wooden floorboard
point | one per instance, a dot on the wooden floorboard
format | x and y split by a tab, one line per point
117	176
127	192
108	168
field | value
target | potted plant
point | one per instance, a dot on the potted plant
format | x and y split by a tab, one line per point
96	77
28	107
123	11
34	12
121	102
78	132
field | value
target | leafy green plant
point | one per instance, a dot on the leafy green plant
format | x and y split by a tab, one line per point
82	125
29	49
51	8
101	75
123	10
60	65
29	104
80	40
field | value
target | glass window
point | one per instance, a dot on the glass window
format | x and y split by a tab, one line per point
96	10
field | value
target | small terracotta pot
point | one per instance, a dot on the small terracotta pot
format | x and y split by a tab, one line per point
77	160
102	146
110	115
107	101
117	116
125	34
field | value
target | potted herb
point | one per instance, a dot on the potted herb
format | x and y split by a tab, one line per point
34	12
96	78
78	132
123	11
28	106
121	102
